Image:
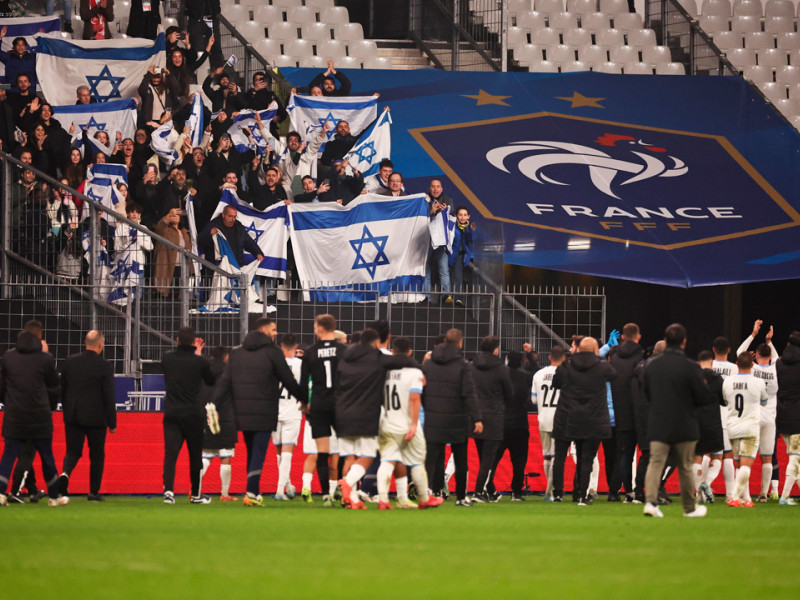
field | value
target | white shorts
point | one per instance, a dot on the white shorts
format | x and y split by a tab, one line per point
726	441
745	447
287	433
548	443
222	453
394	447
792	444
766	438
359	445
310	446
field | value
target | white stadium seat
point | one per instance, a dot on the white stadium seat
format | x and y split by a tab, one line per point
728	40
548	7
752	8
596	21
789	41
578	37
316	32
268	14
251	30
320	3
758	74
690	6
333	15
349	62
516	37
560	53
298	48
794	57
656	54
628	21
574	66
795	120
642	37
712	24
794	91
581	7
547	36
301	15
608	67
267	48
672	68
518	7
564	21
543	66
610	38
283	60
332	49
637	68
624	54
717	8
757	40
236	14
378	62
362	49
281	31
787	74
779	8
531	20
773	57
287	5
593	54
312	62
614	7
773	91
788	107
745	24
741	57
348	32
528	53
778	24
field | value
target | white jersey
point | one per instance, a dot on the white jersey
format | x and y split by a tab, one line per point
545	397
396	412
289	407
724	368
745	395
770	378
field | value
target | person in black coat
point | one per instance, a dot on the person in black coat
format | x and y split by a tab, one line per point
184	417
235	233
87	396
327	84
709	419
144	23
253	377
583	380
641	415
452	412
675	387
226	96
29	391
787	420
340	145
199	32
341	187
495	391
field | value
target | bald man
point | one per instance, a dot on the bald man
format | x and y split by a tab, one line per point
87	395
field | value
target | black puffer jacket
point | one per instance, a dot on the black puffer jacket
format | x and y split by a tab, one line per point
709	418
517	411
29	390
255	370
226	438
788	369
583	379
495	392
641	405
624	359
450	399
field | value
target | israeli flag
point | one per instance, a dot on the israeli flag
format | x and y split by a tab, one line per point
126	273
104	191
101	270
26	27
245	121
114	172
269	228
442	228
373	245
111	117
372	147
161	143
111	68
225	295
195	121
307	114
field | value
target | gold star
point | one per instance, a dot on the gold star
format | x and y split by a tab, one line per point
486	98
579	100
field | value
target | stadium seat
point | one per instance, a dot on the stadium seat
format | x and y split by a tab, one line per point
628	21
267	48
608	67
518	7
516	36
757	40
741	57
656	54
283	60
332	50
574	66
642	37
624	54
237	13
789	41
671	68
268	14
531	20
334	15
745	8
166	22
794	91
614	7
794	57
594	55
637	68
348	32
779	8
316	32
773	91
122	8
287	5
581	7
795	120
312	62
282	31
301	15
716	8
378	62
787	74
543	66
298	48
595	21
548	7
690	6
610	37
320	3
712	24
547	36
728	40
745	24
758	74
528	53
251	30
560	53
349	62
577	37
773	57
362	49
564	21
779	24
788	107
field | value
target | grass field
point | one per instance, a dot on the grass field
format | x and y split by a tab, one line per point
137	547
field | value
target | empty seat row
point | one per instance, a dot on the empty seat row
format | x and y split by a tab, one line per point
320	62
548	36
750	8
330	49
285	4
611	7
786	75
771	57
335	15
592	54
254	30
760	40
712	24
548	66
569	20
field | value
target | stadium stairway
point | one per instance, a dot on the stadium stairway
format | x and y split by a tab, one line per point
403	54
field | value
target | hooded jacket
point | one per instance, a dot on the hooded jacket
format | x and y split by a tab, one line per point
450	398
493	384
29	390
788	369
583	380
252	377
624	359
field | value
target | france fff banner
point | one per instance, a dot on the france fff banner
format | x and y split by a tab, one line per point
374	145
373	245
307	114
112	69
26	27
682	181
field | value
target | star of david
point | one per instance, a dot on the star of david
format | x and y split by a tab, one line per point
253	230
123	270
93	196
334	121
366	152
93	123
104	76
379	243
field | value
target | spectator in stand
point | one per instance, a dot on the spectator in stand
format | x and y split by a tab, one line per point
126	155
159	92
96	15
235	233
310	191
226	95
144	19
264	185
172	192
437	257
42	153
141	145
224	159
203	22
6	124
395	188
84	95
379	182
173	35
23	102
197	177
183	70
18	60
340	145
343	187
261	96
75	171
50	6
461	256
128	238
326	82
167	262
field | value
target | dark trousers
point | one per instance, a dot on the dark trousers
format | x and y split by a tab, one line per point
641	469
487	451
626	449
257	443
96	436
434	464
177	430
516	442
14	447
200	33
586	450
610	454
561	451
24	475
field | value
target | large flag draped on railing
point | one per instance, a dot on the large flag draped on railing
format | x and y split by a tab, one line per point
373	245
110	68
26	27
111	117
307	114
372	147
225	294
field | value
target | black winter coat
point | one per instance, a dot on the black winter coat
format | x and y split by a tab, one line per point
517	410
675	387
227	436
252	377
624	359
450	398
495	392
641	405
87	391
709	418
184	374
29	390
583	380
788	369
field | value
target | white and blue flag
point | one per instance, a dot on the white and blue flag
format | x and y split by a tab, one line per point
101	270
161	142
245	121
307	114
104	191
126	273
112	69
26	27
111	117
195	120
225	295
269	228
373	245
442	228
374	145
113	172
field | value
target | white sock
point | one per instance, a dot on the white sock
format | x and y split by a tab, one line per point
713	470
307	479
449	470
206	464
548	472
225	478
766	474
420	478
332	484
284	470
791	476
384	480
773	486
706	462
595	474
729	474
697	471
402	488
354	475
742	481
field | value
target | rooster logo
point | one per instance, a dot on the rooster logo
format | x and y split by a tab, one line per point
603	168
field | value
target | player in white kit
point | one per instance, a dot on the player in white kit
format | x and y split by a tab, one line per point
290	416
721	365
745	395
546	399
400	438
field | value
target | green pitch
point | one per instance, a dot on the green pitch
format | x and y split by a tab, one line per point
134	547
